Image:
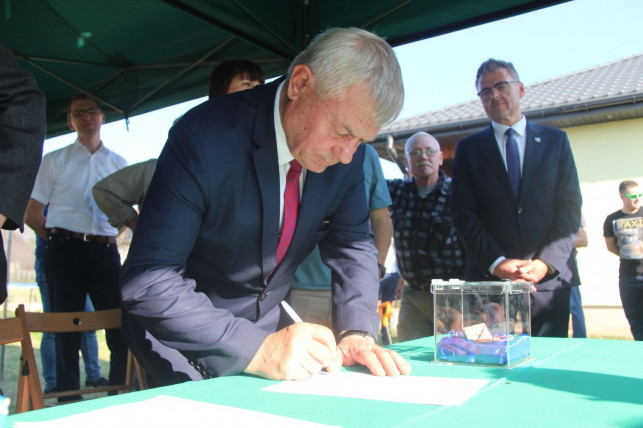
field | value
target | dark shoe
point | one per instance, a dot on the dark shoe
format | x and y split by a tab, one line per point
70	399
101	381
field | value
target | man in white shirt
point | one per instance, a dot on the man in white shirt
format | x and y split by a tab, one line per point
82	257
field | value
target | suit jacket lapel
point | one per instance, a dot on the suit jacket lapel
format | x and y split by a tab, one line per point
309	206
534	151
493	158
267	169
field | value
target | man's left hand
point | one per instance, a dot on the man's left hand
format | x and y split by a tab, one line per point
533	271
381	362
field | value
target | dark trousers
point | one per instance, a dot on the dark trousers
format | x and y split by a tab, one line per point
74	269
631	292
579	329
550	313
3	272
388	287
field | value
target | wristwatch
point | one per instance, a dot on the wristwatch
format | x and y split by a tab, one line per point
362	333
382	269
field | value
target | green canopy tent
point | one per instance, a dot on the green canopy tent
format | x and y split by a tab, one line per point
136	56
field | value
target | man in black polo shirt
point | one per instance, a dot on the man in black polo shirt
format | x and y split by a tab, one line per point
426	245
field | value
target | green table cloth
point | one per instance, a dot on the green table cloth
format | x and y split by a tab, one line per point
570	382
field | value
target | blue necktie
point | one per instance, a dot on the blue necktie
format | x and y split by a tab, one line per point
513	161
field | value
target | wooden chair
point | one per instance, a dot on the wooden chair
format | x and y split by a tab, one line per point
29	395
77	322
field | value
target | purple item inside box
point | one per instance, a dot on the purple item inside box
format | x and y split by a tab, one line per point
500	351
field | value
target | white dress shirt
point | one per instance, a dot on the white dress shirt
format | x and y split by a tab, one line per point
520	129
499	130
64	182
284	157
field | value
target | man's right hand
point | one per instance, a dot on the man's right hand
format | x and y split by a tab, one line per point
510	269
295	353
513	269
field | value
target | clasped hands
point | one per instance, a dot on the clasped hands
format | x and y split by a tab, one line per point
525	270
302	349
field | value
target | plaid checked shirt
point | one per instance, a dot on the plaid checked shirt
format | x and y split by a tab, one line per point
426	245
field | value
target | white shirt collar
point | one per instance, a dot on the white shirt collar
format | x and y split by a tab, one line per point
283	152
520	129
77	145
500	129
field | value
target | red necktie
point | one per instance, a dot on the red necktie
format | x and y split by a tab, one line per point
291	207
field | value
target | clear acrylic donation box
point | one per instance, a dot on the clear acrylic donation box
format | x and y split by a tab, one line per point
482	323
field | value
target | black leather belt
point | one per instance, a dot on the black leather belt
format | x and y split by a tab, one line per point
422	287
99	239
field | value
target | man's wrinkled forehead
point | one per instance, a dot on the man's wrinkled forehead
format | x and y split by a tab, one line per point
424	141
503	70
83	103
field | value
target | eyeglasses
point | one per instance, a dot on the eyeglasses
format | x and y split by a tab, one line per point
633	196
418	153
501	87
81	113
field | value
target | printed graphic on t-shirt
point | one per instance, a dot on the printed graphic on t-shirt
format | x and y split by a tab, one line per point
629	236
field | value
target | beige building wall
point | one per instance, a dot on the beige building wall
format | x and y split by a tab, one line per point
605	155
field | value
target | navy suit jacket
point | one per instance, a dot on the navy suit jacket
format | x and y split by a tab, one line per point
542	222
200	276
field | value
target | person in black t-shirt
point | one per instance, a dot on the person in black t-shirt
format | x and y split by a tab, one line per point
623	232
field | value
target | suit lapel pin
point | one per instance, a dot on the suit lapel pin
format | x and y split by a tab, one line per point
537	139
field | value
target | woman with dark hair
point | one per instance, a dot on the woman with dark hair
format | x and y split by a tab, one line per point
117	193
233	76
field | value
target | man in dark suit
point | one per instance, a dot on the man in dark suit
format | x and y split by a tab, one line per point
202	288
516	200
22	132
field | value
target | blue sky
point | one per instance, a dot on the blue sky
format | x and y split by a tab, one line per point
440	72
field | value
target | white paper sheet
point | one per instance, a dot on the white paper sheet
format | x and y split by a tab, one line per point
441	391
164	412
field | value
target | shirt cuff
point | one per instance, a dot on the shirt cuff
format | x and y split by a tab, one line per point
550	268
496	263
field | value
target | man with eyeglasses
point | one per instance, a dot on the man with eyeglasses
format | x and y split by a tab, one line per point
623	232
516	201
426	245
82	257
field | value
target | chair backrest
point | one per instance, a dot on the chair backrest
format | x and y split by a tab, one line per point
77	322
29	395
70	322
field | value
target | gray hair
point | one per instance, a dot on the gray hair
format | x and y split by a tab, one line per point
342	57
413	138
622	187
491	65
